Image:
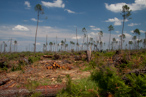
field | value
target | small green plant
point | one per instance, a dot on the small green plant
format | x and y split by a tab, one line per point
79	88
33	59
93	64
36	94
59	79
31	85
137	85
109	82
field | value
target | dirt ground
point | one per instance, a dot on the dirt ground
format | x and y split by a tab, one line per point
40	73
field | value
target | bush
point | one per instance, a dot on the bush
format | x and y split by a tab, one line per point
137	85
109	82
33	59
79	88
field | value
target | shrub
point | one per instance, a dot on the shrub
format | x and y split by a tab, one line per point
137	85
33	59
79	88
109	82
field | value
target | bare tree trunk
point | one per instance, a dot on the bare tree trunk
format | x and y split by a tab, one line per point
122	35
10	44
83	43
110	40
46	41
77	41
87	42
36	33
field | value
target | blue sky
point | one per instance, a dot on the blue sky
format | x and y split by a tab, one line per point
62	17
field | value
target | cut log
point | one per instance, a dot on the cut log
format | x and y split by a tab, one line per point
47	56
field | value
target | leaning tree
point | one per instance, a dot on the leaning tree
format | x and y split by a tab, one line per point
39	10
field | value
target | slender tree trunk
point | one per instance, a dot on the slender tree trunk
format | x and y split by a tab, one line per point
122	34
87	42
46	41
110	40
77	41
83	43
36	33
10	44
56	45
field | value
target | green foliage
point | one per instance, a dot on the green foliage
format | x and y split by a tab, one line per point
33	59
109	82
137	85
14	68
92	63
79	88
36	94
32	85
109	54
59	79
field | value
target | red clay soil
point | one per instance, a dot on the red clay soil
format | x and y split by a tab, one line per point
47	91
12	84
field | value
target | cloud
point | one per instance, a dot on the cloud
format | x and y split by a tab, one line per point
133	24
142	31
35	20
117	31
127	35
116	21
78	37
69	11
132	31
20	28
27	3
96	29
137	5
56	3
91	26
92	33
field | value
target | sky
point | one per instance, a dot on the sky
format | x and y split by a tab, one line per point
61	18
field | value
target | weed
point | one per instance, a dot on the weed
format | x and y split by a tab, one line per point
109	82
59	79
79	88
31	85
137	85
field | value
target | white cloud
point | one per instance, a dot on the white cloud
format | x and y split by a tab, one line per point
133	24
116	21
92	33
20	28
69	11
91	26
35	20
127	35
27	3
117	31
137	5
56	3
96	29
142	31
132	31
78	37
